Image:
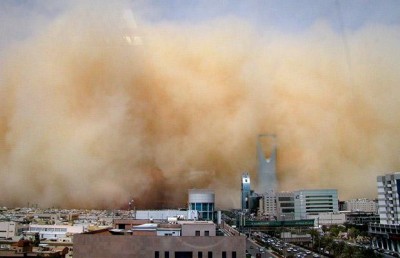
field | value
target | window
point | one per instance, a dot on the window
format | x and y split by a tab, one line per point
166	254
156	254
197	233
210	255
206	233
200	254
223	254
233	254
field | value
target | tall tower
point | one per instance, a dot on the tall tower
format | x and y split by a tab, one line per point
246	191
266	165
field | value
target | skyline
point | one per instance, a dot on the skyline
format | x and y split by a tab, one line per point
88	115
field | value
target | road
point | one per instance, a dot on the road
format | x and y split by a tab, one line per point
255	249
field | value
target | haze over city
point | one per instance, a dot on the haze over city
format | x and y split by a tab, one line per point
103	102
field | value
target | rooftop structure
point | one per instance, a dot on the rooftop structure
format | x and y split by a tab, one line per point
183	239
202	201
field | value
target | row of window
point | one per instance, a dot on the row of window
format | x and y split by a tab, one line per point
202	206
285	199
49	229
287	204
190	254
206	233
318	196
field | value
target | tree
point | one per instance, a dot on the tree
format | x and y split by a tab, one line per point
353	232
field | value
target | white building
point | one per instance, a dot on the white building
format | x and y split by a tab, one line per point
10	229
386	234
202	201
55	232
165	214
328	218
267	206
313	202
388	198
364	204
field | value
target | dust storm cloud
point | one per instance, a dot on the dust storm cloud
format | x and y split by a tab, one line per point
91	118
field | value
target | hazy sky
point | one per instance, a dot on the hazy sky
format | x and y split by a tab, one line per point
97	109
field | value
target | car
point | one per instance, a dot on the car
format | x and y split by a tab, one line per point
308	252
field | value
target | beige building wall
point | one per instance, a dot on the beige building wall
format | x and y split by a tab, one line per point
103	246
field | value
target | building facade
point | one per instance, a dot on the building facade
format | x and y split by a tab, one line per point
124	246
313	202
267	207
364	205
386	234
328	218
388	198
245	190
10	229
54	231
285	206
165	214
202	201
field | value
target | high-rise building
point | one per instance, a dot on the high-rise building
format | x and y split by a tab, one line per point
266	165
268	205
312	202
246	190
202	201
386	234
388	198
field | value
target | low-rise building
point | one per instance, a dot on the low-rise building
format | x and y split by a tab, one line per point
109	246
54	231
10	229
361	218
364	205
328	218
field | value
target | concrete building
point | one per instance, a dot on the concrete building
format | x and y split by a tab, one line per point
388	198
180	239
267	207
10	229
202	201
364	205
277	206
266	165
313	202
165	214
285	206
245	190
124	246
198	228
54	231
361	217
328	218
386	234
